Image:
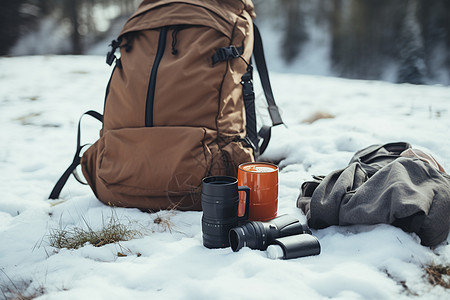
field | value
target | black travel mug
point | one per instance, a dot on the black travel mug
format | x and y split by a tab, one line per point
220	202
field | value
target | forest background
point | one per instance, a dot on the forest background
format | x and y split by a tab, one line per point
398	41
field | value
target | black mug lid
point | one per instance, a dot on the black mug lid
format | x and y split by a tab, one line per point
220	180
220	187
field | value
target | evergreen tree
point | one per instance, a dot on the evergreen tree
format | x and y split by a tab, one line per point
294	32
446	28
15	17
72	10
17	20
412	66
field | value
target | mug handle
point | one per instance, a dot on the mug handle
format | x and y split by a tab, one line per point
246	189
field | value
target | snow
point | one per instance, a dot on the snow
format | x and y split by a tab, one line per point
41	100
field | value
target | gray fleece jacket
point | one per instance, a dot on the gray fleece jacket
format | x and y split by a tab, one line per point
380	185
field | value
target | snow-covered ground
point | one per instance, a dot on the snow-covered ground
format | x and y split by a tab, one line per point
41	99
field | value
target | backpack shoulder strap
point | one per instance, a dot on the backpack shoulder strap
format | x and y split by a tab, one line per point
76	159
260	61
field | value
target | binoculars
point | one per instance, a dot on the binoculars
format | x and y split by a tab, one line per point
287	237
222	226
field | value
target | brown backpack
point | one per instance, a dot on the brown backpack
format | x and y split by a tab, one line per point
179	105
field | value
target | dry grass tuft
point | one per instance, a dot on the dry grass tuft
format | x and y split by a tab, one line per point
439	275
19	290
163	222
112	231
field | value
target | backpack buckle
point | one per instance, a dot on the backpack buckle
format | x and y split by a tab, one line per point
249	143
110	56
226	53
247	86
232	51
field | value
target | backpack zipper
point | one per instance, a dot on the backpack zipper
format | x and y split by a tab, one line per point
152	82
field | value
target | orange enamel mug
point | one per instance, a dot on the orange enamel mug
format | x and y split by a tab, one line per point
262	179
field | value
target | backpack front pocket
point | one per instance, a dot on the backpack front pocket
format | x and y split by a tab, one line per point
154	161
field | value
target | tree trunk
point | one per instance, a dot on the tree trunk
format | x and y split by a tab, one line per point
73	10
412	55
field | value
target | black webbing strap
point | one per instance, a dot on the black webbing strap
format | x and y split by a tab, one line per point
260	61
250	113
264	133
76	159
